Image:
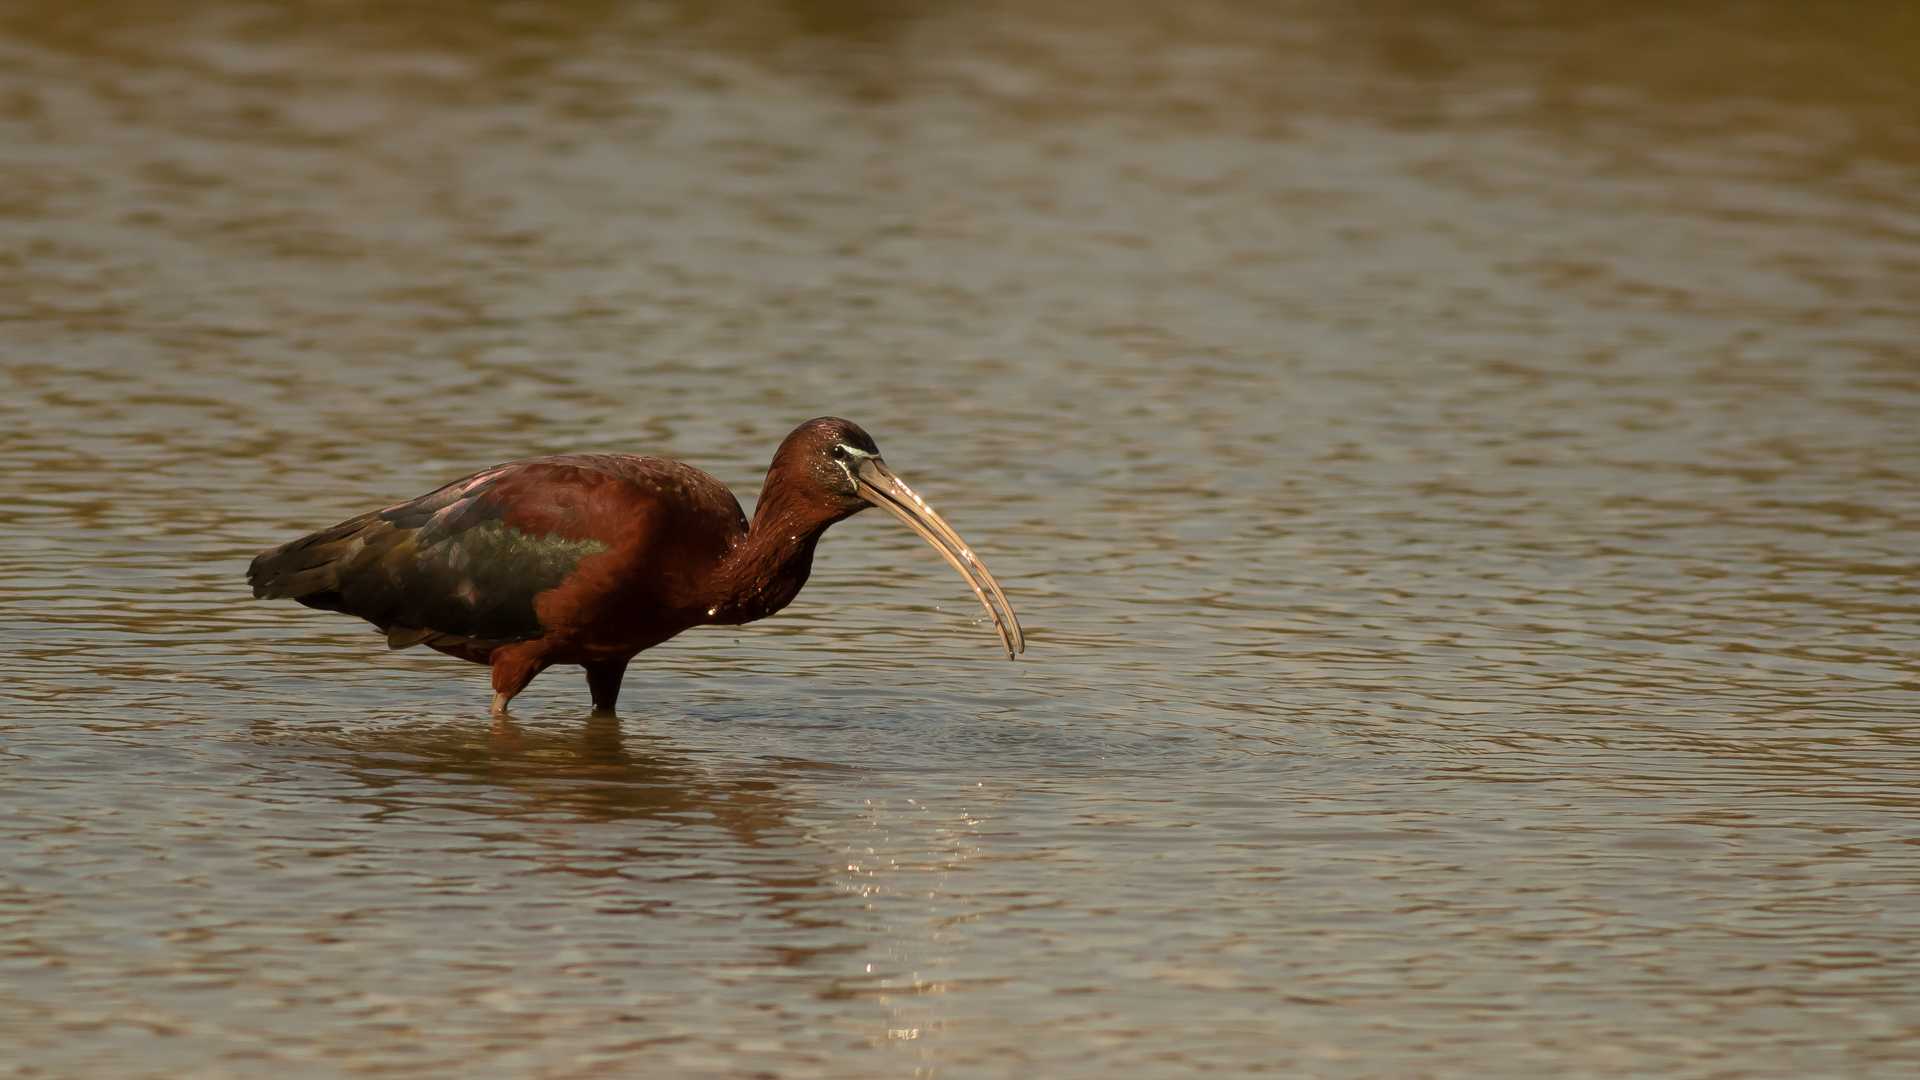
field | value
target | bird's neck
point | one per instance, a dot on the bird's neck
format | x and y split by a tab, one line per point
771	562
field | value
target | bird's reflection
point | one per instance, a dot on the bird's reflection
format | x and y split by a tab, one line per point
629	817
595	772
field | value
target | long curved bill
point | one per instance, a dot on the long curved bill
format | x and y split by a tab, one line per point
879	486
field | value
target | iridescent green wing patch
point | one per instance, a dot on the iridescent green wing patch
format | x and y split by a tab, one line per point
481	582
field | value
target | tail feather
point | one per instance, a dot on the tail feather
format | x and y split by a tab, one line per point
309	557
300	583
406	637
307	565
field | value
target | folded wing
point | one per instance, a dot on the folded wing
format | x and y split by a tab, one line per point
461	564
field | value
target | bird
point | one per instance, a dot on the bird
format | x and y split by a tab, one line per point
591	559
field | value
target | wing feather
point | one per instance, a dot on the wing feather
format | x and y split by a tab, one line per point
448	564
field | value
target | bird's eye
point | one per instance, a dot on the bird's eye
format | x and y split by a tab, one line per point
839	453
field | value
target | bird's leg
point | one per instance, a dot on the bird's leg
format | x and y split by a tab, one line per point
514	666
603	682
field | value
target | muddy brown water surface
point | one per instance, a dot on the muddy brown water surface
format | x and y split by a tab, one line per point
1458	465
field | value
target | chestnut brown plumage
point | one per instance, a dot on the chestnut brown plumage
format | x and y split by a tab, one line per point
589	559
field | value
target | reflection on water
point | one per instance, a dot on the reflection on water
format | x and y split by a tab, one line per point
1456	463
510	772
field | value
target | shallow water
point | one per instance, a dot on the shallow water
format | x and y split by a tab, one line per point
1459	469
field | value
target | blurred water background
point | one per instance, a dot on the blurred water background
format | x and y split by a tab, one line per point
1458	463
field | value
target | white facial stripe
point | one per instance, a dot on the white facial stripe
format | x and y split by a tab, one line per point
854	456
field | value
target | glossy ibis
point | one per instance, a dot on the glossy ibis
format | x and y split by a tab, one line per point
591	558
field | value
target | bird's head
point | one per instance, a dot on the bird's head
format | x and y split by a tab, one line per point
835	465
821	459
